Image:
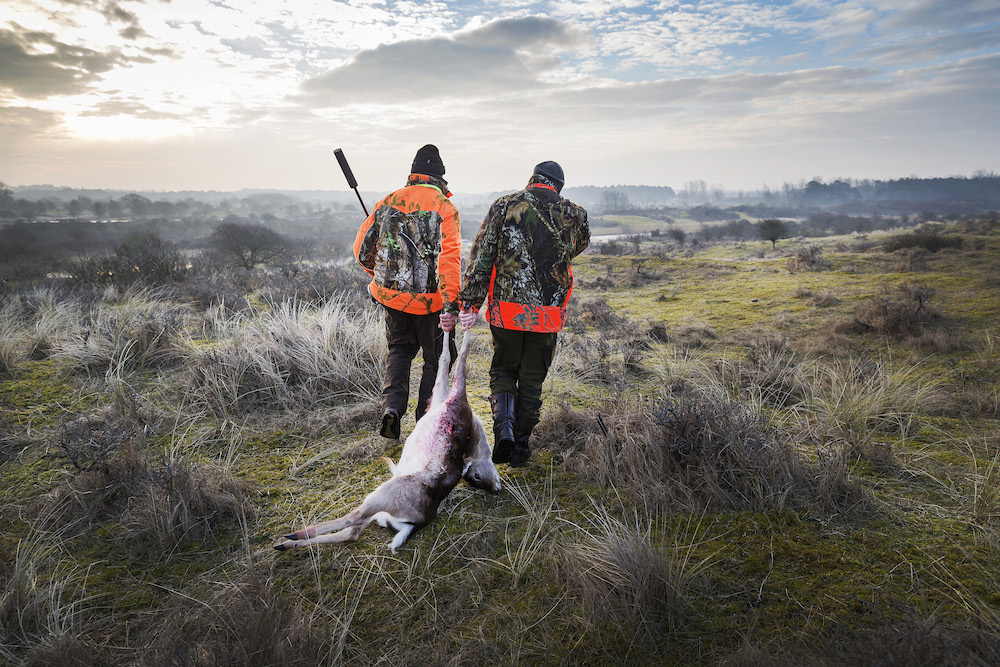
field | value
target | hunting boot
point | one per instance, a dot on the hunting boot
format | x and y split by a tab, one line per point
522	434
389	427
503	426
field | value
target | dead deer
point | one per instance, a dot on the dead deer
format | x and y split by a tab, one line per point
447	444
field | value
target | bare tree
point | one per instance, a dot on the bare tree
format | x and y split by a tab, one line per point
137	204
241	244
615	201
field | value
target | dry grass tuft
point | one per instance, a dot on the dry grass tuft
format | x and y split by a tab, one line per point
294	357
695	450
157	504
858	403
251	622
137	330
627	578
694	335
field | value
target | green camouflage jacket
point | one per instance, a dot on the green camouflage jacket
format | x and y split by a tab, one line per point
520	260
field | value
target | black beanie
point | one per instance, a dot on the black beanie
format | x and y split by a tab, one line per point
552	171
428	161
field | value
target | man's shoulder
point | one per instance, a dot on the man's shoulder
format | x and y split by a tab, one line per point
576	209
426	196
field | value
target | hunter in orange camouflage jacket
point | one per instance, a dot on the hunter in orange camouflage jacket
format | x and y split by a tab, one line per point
411	246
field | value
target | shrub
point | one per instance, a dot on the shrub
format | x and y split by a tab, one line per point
900	312
597	313
807	258
611	248
698	449
237	243
142	257
157	504
930	241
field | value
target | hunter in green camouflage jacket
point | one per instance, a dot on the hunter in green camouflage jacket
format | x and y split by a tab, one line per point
520	261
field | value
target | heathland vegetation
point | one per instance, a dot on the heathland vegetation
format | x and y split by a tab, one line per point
756	448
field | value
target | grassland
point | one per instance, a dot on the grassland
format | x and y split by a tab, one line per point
747	456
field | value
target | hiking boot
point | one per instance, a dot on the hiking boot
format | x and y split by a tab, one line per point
503	426
389	427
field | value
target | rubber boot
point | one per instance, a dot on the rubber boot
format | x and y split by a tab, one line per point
503	426
389	426
522	435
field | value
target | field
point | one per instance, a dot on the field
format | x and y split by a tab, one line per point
748	456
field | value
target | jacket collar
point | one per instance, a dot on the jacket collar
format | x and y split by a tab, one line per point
539	181
433	181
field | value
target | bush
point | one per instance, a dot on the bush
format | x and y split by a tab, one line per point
807	258
697	450
930	241
900	312
143	257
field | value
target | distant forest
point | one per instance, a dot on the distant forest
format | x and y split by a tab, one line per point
955	195
322	225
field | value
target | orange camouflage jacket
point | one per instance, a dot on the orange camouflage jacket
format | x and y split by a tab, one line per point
411	246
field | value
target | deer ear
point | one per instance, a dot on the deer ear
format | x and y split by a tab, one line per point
465	470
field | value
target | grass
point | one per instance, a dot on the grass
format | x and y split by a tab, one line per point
720	476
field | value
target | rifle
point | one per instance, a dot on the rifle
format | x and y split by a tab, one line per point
349	175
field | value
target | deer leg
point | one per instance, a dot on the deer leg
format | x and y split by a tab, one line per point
399	503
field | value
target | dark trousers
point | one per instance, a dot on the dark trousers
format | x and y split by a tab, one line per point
521	360
407	333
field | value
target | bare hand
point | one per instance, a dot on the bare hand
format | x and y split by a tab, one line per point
447	321
468	318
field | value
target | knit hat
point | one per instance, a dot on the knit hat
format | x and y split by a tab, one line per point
428	161
552	171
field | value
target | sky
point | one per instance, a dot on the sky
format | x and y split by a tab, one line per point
163	95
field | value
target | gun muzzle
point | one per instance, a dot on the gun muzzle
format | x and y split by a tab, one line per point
346	168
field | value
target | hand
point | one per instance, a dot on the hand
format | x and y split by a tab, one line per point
468	318
447	321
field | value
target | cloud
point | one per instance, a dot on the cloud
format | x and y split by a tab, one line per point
941	14
35	64
528	33
115	13
929	48
498	58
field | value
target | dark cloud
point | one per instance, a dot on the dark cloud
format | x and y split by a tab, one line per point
530	32
37	65
502	56
115	13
